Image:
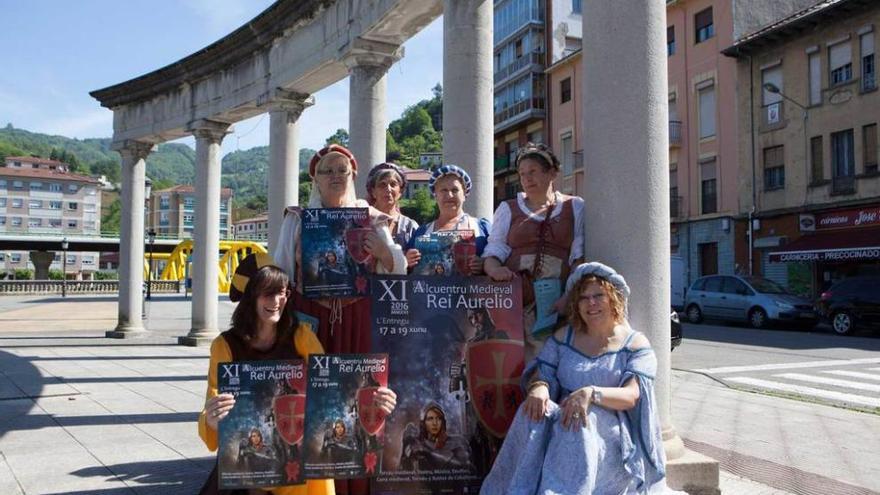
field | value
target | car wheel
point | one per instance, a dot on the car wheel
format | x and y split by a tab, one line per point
694	314
758	318
842	323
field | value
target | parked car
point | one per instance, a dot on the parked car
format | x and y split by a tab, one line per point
755	300
675	330
851	303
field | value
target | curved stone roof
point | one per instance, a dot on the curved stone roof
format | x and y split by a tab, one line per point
235	47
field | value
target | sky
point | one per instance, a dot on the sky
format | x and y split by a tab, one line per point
55	52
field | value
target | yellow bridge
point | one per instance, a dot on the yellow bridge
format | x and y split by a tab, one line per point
176	266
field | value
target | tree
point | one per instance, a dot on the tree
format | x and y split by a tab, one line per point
421	207
341	137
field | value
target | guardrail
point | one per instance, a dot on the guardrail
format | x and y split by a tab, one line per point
25	287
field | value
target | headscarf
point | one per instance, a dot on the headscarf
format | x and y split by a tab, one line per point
451	170
315	200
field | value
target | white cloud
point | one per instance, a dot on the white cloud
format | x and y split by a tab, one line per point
91	123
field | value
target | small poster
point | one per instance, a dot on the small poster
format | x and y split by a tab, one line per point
547	292
344	428
457	344
334	260
261	438
445	253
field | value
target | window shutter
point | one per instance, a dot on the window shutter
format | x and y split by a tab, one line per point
867	41
707	112
839	55
815	80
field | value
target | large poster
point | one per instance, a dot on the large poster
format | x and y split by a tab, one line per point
456	346
446	252
261	437
334	261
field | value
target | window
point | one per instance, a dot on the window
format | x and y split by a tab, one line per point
708	187
2	221
703	25
735	286
35	203
869	145
16	221
674	200
567	156
71	206
670	41
842	154
2	183
518	48
17	202
815	79
88	260
35	222
71	224
55	223
17	184
36	186
817	164
565	90
840	63
707	112
163	218
53	187
91	207
55	205
774	168
869	74
71	259
773	76
577	6
164	202
2	202
188	220
90	191
71	188
15	257
189	203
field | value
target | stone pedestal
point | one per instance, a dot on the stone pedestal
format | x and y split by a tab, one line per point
468	118
284	112
42	260
206	234
626	148
368	62
131	239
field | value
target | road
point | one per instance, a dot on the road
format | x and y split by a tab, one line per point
815	366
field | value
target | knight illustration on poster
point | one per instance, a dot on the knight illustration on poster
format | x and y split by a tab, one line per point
456	345
261	438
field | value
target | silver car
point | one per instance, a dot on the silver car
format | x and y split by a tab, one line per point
755	300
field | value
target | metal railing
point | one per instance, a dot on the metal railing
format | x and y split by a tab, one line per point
535	103
23	287
674	133
513	67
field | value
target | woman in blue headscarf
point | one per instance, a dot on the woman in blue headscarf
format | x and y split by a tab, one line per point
450	186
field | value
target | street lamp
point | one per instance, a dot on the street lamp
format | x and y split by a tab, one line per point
64	245
152	235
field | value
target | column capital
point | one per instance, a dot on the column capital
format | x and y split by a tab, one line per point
292	102
211	130
364	52
138	150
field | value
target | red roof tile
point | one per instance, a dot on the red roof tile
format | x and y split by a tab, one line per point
42	173
31	159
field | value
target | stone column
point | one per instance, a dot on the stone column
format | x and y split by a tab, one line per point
468	119
626	148
131	239
368	62
206	234
42	260
284	111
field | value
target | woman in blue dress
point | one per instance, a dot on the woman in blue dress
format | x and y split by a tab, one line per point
589	423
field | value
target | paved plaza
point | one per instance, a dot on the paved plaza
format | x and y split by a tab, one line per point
81	414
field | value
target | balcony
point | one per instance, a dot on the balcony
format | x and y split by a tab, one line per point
841	185
532	107
534	58
676	207
674	133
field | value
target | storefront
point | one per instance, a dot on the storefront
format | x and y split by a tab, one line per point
835	245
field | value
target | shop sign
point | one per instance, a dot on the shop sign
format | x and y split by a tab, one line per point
856	254
862	217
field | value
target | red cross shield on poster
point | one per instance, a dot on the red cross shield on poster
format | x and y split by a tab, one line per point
354	242
289	417
371	416
493	371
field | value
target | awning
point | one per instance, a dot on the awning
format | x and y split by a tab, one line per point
841	245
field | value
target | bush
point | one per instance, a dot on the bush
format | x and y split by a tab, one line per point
107	275
55	275
24	274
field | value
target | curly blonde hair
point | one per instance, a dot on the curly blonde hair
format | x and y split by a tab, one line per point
618	303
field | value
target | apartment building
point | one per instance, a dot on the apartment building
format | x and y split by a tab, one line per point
252	229
809	146
529	35
40	196
171	212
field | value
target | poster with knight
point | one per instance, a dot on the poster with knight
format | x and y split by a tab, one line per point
457	348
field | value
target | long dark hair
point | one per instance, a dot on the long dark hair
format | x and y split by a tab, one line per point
268	280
